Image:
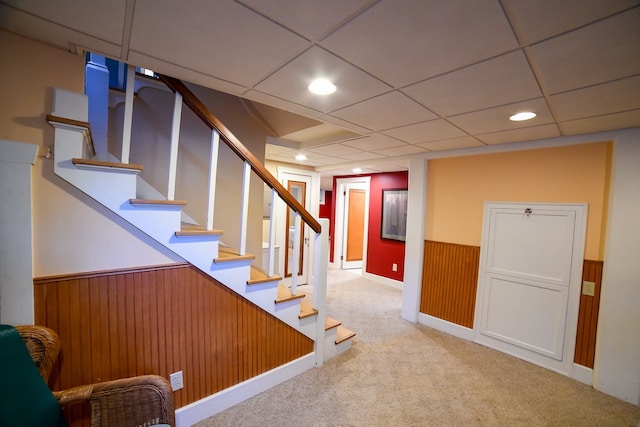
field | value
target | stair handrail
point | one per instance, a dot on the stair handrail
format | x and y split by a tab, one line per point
192	101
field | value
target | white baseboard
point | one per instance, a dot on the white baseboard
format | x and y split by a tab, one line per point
444	326
218	402
384	280
582	374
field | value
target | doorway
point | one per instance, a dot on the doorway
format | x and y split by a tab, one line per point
529	281
352	217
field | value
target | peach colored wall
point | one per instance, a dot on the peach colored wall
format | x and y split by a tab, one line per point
458	187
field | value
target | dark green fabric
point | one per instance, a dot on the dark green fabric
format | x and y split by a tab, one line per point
25	399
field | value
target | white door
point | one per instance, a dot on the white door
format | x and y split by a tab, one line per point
352	217
304	186
529	281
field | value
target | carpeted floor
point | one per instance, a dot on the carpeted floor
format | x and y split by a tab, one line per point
403	374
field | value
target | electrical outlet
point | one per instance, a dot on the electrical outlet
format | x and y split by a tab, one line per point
394	267
176	380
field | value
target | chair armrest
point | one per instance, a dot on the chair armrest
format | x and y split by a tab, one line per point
141	400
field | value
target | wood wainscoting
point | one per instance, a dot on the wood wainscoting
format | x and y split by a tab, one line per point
449	286
159	320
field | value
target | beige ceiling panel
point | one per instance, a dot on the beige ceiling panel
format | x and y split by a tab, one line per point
291	81
345	124
374	142
280	103
427	131
310	18
623	120
617	96
365	155
451	144
604	51
334	150
517	135
100	19
36	28
222	38
535	20
401	151
499	81
497	119
386	111
402	42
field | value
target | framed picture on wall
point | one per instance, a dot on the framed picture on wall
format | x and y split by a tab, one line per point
394	214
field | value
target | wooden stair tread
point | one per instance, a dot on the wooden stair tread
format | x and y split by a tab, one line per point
344	334
226	254
193	231
284	294
259	276
306	309
148	202
331	323
102	164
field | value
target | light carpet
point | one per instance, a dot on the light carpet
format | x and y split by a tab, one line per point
399	373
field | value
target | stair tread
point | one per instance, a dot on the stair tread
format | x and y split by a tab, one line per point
158	202
226	254
330	322
284	294
344	334
259	276
197	231
103	164
306	309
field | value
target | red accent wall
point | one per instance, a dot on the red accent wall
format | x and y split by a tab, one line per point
381	253
326	209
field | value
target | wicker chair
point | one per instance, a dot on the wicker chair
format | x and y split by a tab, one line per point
138	401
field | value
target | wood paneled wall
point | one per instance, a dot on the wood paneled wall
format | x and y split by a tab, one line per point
449	282
588	315
160	320
449	285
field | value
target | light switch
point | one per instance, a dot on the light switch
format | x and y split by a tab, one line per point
588	288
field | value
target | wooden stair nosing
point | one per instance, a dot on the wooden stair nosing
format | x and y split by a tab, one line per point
226	254
330	323
344	334
148	202
306	310
189	232
103	164
284	295
265	279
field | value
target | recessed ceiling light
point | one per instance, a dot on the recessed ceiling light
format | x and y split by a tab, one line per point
322	87
525	115
357	170
301	157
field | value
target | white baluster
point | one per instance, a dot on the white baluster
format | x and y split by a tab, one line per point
272	234
128	114
245	207
213	172
295	262
320	268
175	138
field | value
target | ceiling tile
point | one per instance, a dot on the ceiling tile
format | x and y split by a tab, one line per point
606	50
334	150
401	151
427	131
374	142
291	82
497	119
206	36
617	96
416	39
537	20
385	111
365	155
451	144
623	120
516	135
499	81
310	18
280	103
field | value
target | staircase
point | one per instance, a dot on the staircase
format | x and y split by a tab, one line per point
114	185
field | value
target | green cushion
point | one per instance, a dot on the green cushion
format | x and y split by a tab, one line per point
25	399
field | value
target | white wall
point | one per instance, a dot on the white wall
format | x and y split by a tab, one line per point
617	364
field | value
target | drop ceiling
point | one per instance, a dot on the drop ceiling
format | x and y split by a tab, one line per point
412	76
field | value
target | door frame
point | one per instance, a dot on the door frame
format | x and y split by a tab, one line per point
575	282
341	184
313	191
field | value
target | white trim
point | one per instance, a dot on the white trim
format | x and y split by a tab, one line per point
582	374
445	326
339	218
18	152
218	402
383	280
